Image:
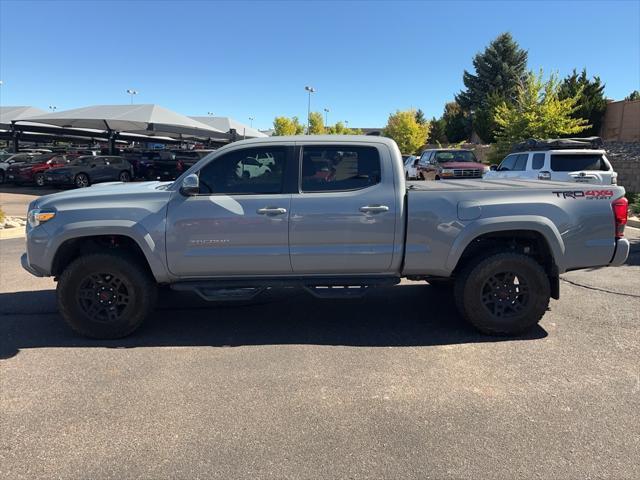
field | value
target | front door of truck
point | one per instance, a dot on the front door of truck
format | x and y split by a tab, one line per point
343	218
239	223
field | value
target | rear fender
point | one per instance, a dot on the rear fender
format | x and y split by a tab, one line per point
483	226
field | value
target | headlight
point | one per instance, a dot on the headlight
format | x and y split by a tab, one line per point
486	169
37	216
447	171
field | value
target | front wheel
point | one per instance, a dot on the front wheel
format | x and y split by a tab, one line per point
106	295
503	294
124	177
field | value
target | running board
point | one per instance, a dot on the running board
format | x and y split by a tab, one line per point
320	287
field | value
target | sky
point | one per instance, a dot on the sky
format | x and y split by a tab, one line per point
366	59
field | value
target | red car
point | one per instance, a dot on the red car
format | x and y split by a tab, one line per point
33	170
449	164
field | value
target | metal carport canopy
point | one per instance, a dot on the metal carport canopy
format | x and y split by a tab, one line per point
145	119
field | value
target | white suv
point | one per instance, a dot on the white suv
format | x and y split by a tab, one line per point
582	165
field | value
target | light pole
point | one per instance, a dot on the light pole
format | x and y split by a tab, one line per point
326	121
132	92
53	108
310	90
251	122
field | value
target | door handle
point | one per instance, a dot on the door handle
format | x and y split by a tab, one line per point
272	211
374	209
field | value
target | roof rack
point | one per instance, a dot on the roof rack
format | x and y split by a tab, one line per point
558	144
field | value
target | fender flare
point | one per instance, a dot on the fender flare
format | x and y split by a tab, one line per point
153	253
532	223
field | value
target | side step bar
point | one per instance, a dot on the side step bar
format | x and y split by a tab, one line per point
320	287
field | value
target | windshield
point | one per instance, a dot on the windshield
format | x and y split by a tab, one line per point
455	156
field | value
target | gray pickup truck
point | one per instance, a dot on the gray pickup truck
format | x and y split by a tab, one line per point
330	214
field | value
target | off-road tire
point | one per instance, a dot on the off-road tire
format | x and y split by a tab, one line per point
471	288
138	282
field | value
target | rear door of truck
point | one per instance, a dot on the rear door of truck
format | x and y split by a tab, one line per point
343	218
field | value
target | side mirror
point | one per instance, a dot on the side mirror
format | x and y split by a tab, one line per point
93	165
190	185
493	168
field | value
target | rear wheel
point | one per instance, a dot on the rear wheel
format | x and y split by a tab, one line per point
81	180
503	294
124	176
39	179
106	295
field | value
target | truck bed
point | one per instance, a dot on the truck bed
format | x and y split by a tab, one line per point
507	184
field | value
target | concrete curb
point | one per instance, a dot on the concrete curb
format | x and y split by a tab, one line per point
633	223
8	233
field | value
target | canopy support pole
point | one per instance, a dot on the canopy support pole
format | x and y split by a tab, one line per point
15	138
112	142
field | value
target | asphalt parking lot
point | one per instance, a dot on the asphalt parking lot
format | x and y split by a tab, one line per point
392	386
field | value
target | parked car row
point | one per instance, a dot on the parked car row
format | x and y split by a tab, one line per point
563	160
82	168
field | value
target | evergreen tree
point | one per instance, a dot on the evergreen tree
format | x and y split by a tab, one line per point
420	117
437	133
591	101
498	72
499	69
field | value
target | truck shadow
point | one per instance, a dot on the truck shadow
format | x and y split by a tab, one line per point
415	315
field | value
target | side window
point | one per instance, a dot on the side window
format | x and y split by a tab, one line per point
96	161
538	161
508	163
573	162
521	162
245	172
336	168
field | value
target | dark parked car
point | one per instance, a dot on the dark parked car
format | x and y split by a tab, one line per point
449	163
169	164
85	170
33	170
185	159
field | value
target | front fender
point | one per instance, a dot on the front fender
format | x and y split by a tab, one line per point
483	226
151	244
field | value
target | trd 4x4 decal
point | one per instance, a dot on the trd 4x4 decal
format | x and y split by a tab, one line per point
589	194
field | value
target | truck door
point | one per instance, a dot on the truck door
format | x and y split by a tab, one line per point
238	224
343	218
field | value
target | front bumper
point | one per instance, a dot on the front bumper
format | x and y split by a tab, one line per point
621	253
24	260
16	177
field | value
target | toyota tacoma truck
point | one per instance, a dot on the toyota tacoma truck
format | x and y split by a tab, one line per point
333	215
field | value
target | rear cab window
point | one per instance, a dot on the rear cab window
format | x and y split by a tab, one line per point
571	162
333	168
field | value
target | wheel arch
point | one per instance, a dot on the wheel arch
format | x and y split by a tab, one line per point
510	233
75	242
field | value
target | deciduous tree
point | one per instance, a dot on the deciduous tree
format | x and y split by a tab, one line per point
537	112
406	131
287	126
